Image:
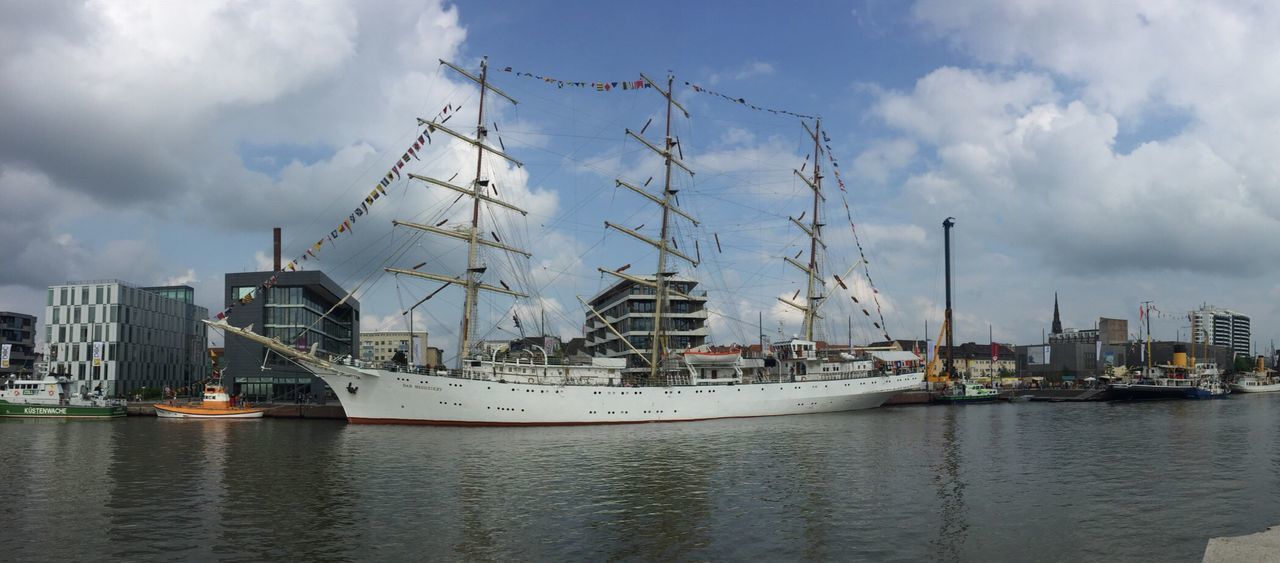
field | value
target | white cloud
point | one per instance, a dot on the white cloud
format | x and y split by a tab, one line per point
1047	177
185	278
753	69
749	69
264	262
884	159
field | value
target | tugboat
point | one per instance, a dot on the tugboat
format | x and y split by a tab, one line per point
51	397
216	404
1170	381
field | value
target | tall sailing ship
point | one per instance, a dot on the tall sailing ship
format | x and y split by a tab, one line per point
794	376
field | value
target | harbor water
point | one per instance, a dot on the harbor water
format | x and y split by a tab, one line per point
997	482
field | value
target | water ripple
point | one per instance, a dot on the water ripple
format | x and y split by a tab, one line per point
1060	482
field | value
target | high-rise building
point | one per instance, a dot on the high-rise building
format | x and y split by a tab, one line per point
18	332
294	311
629	308
1222	327
120	337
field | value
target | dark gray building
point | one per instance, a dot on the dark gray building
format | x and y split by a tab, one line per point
18	332
1068	359
293	311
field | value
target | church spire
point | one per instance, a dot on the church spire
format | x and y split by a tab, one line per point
1057	321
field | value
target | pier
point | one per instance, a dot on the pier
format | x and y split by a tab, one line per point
1262	546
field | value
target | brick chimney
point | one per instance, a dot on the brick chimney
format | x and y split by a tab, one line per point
275	235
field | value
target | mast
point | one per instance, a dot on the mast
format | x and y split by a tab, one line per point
814	230
1146	306
947	224
657	344
477	191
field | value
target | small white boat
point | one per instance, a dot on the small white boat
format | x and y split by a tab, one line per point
1256	385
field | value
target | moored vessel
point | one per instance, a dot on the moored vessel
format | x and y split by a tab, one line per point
1183	378
52	397
791	376
216	403
1254	384
968	392
1261	380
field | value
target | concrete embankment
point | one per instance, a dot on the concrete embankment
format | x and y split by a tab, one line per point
289	410
1259	547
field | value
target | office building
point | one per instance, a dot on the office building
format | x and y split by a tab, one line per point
629	308
18	332
292	310
120	337
1222	327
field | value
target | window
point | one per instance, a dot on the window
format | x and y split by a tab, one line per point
238	293
99	300
84	294
50	297
55	316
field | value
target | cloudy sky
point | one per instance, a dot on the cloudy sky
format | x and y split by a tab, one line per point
1110	151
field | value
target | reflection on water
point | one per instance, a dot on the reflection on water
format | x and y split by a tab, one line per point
974	483
950	491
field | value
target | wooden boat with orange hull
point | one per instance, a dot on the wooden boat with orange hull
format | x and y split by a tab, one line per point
216	404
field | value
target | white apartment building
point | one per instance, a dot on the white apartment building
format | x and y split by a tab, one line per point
381	346
119	337
1222	327
629	307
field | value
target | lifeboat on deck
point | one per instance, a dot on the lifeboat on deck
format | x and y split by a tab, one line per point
216	404
706	355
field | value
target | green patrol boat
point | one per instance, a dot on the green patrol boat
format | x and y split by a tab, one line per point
966	392
51	397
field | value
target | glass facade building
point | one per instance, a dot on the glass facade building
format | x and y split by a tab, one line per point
629	307
292	311
120	337
19	332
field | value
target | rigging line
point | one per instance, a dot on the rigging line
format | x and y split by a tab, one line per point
372	162
373	256
334	201
326	314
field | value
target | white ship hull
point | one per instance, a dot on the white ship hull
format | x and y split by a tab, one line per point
386	397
